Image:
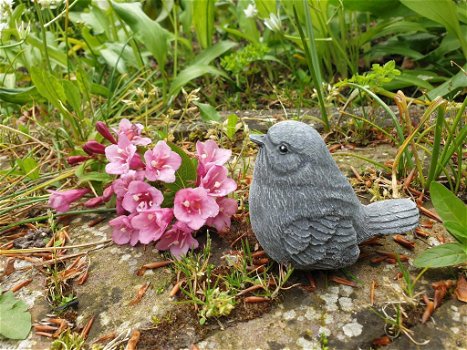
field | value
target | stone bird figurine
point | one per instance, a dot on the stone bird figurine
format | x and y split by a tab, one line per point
304	211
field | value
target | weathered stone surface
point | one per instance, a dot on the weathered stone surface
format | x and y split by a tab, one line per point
113	284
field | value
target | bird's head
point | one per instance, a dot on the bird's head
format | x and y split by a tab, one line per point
290	147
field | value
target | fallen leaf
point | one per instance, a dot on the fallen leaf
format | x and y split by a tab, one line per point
461	289
383	341
430	307
133	342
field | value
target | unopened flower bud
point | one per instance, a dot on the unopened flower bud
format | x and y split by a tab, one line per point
108	193
94	147
103	129
73	160
94	202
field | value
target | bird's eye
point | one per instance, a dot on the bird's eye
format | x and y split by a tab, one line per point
283	149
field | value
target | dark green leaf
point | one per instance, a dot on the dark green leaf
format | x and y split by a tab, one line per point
448	254
186	174
15	322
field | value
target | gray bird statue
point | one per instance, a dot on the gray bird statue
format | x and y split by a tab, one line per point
305	212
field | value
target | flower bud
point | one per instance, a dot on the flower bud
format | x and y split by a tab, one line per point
136	162
73	160
103	129
94	202
108	193
94	147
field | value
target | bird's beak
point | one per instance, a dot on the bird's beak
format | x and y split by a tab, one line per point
258	139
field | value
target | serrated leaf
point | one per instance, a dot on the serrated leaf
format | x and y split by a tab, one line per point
448	254
15	322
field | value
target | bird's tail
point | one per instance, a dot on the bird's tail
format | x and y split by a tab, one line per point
390	216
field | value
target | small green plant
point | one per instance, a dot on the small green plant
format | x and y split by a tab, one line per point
217	303
394	324
68	340
241	62
409	283
15	322
453	212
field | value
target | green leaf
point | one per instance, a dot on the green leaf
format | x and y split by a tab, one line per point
95	176
458	231
447	205
19	95
73	95
211	53
148	32
456	82
448	254
203	21
15	322
208	112
440	11
186	174
29	167
184	177
231	127
192	72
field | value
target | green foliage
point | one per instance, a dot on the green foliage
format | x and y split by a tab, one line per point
216	304
148	32
377	76
453	212
15	322
240	61
68	340
208	112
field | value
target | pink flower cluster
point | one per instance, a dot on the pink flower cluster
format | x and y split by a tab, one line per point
137	190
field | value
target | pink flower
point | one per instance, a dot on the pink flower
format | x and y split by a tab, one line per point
61	200
119	156
178	239
133	132
162	163
152	223
120	186
141	196
93	147
123	232
208	154
216	182
227	208
193	206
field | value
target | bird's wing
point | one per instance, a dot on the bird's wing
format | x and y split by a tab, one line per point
323	240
